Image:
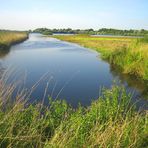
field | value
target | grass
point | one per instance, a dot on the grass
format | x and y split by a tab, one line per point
110	121
129	54
8	38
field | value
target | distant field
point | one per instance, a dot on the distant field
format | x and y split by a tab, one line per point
129	54
98	43
7	38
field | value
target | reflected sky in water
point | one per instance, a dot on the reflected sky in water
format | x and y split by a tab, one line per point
71	72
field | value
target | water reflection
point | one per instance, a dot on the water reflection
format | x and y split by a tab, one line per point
131	81
4	53
74	73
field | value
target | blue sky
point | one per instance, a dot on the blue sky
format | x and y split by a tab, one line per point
31	14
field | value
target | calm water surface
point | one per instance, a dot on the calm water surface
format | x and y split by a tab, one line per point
67	71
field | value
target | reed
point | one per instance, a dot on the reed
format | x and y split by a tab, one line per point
8	38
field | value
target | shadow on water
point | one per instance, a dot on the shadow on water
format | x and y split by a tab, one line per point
131	81
4	52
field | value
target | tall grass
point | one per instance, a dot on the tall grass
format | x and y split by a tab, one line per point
7	38
129	54
110	121
131	59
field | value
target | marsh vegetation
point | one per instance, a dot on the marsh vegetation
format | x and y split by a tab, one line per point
110	121
8	38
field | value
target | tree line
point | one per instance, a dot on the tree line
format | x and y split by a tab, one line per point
103	31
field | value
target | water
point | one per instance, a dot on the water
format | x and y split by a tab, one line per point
67	71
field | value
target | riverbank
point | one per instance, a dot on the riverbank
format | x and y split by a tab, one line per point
129	54
110	121
8	38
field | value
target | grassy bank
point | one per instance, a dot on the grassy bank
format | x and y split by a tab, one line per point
8	38
110	121
129	54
